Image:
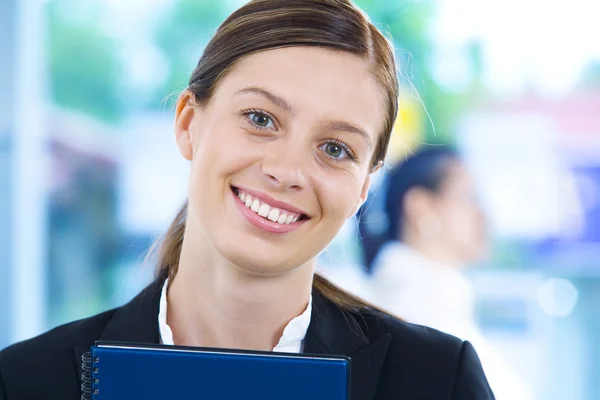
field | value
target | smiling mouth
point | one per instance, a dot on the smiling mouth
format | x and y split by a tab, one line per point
267	211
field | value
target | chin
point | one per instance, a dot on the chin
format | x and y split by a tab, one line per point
262	262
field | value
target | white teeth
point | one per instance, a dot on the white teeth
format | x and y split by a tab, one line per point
264	209
282	218
273	215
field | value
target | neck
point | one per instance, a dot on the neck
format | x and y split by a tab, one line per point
431	249
216	304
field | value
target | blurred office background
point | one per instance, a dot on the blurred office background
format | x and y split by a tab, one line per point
90	175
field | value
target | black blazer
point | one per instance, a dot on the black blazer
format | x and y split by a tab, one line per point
391	359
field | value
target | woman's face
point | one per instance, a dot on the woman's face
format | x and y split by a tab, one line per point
281	155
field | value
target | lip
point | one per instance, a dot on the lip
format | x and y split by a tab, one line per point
263	223
273	202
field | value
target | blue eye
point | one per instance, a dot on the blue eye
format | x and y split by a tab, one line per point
337	150
334	150
261	120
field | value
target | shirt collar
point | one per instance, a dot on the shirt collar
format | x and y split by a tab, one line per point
291	341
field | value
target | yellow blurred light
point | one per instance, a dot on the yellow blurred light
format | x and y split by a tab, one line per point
407	133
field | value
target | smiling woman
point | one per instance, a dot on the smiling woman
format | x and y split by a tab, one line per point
287	114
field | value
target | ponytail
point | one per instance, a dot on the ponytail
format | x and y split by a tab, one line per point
168	249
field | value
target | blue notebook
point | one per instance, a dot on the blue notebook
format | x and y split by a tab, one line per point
125	371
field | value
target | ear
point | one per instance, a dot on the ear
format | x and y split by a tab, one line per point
364	193
377	167
184	116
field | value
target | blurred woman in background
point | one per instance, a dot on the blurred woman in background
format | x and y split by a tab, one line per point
436	228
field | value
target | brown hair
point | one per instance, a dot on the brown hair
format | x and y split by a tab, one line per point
269	24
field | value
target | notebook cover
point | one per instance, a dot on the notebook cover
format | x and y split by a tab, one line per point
126	371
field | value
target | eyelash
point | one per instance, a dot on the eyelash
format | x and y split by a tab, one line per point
250	111
347	149
350	154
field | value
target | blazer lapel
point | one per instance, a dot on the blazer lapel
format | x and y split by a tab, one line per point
333	331
136	321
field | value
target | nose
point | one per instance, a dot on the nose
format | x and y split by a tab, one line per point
284	168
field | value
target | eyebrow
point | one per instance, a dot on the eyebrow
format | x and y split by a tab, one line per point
346	127
278	101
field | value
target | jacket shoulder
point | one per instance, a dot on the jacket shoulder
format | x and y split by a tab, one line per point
431	363
421	358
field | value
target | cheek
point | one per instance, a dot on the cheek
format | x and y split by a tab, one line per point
221	150
338	193
454	220
463	223
212	162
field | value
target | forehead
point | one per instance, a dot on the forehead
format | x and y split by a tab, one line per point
325	83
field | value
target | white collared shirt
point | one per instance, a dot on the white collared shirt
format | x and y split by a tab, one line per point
292	340
423	291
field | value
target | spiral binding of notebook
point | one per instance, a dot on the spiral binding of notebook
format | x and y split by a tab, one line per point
89	376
